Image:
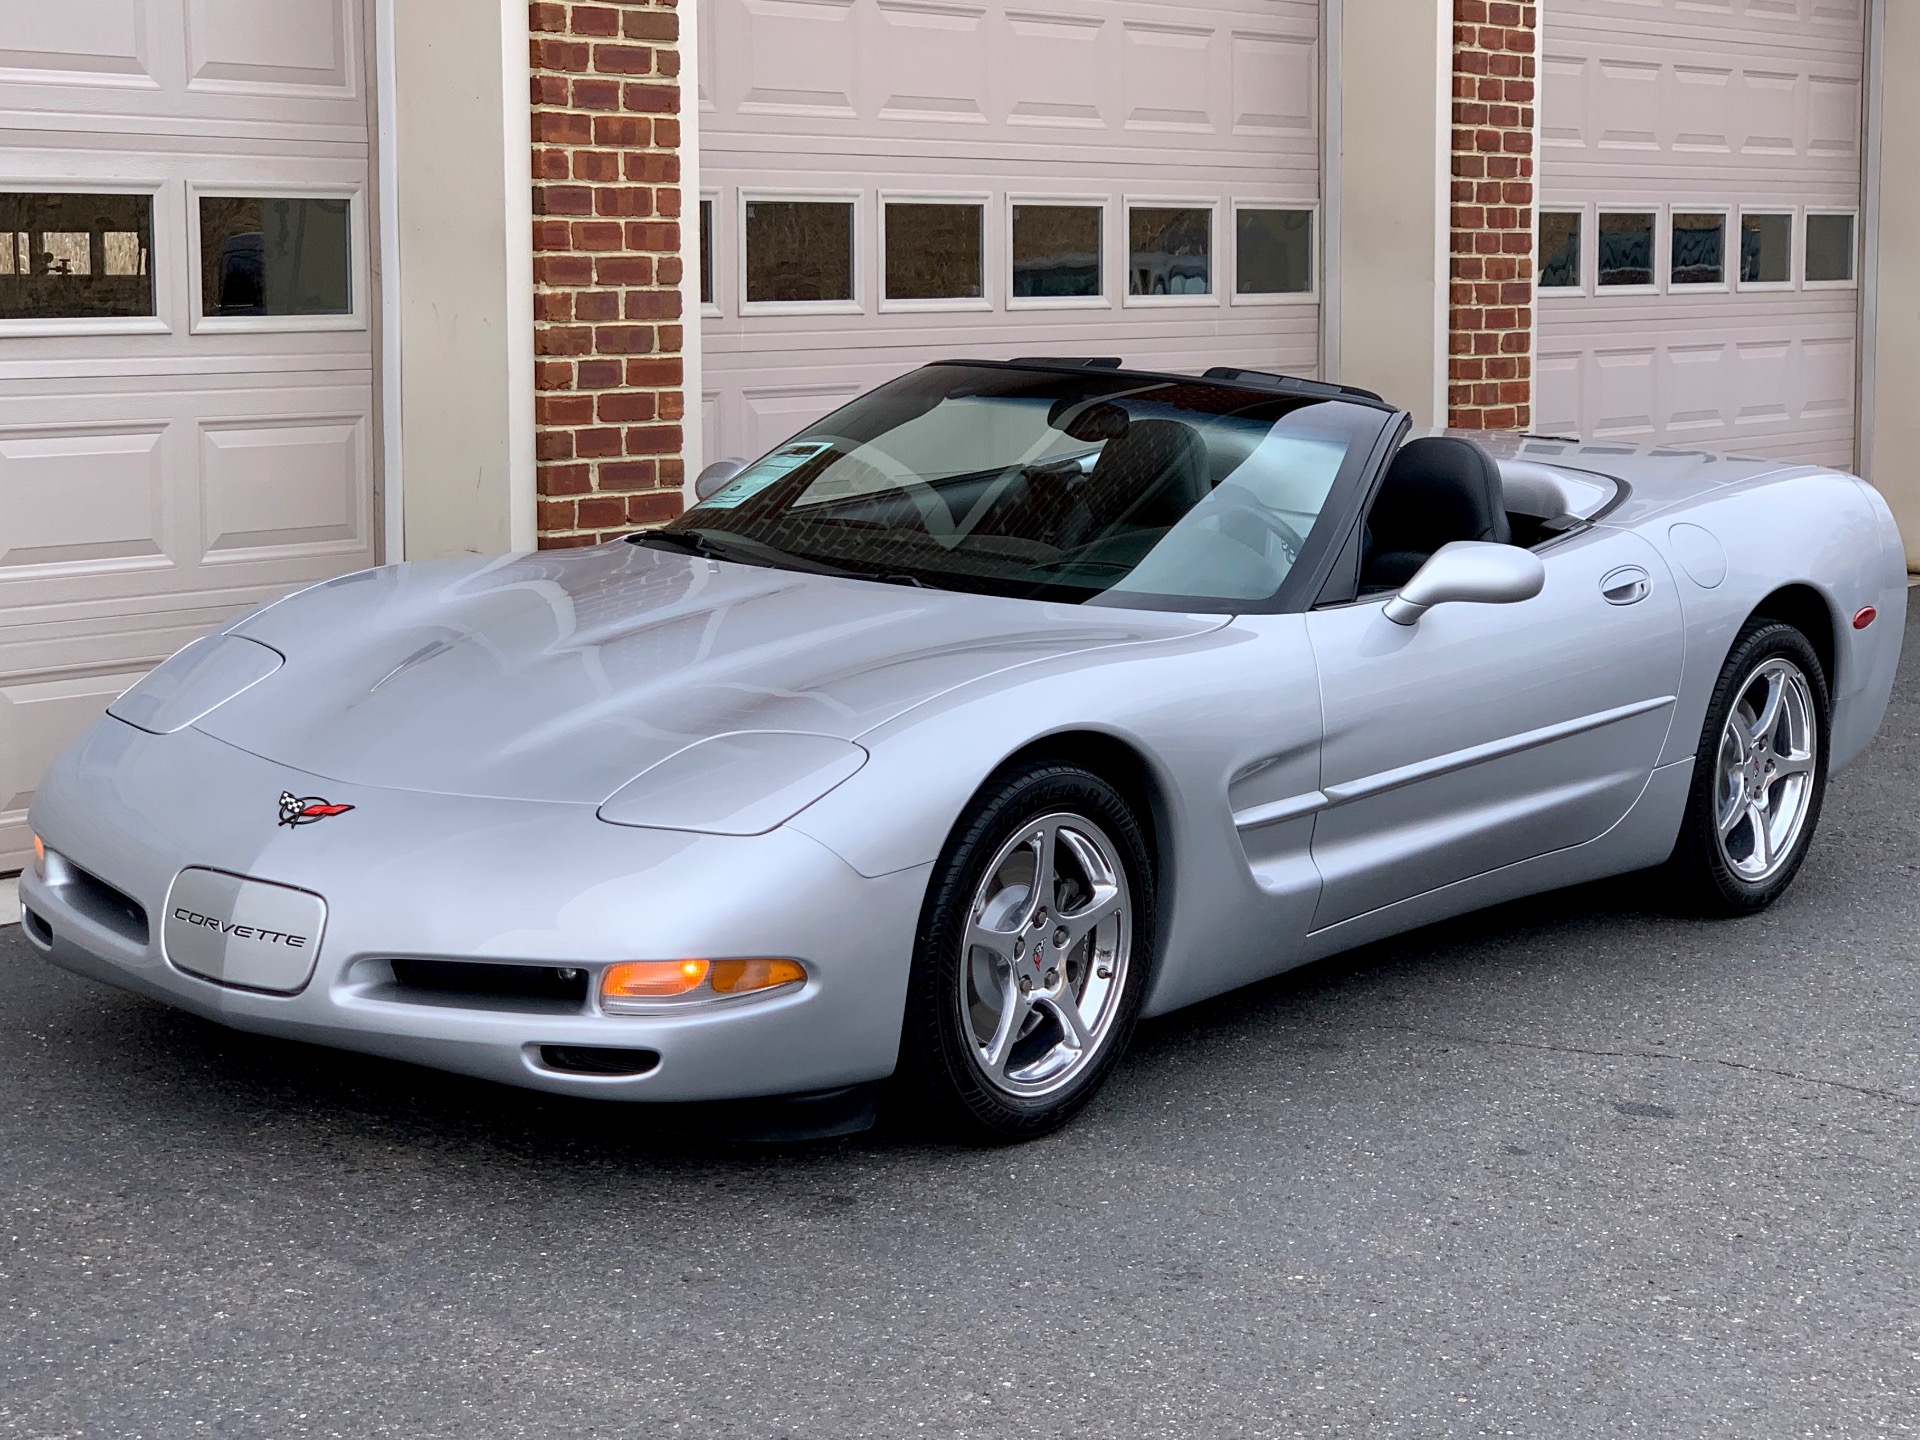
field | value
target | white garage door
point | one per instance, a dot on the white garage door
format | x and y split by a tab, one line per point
886	182
186	422
1700	168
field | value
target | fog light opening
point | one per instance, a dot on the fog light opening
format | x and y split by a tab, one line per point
599	1060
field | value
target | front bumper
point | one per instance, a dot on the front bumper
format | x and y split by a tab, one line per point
414	875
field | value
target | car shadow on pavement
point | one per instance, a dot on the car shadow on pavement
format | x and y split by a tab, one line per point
201	1077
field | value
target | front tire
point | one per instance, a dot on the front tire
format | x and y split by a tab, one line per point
1032	957
1759	775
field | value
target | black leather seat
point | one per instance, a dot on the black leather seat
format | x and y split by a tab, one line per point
1438	489
1147	477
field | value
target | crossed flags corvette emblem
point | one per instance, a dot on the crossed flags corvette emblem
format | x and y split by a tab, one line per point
306	809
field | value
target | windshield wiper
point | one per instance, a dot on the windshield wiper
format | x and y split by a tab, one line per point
692	542
700	542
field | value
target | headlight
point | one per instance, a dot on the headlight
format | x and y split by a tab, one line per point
742	784
198	680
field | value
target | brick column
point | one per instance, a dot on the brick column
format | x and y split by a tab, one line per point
1490	350
607	266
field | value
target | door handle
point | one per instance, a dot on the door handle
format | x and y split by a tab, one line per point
1628	585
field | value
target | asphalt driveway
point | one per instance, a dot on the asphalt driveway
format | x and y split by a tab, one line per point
1568	1168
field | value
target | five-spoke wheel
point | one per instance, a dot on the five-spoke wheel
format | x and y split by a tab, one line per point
1033	953
1759	774
1768	749
1048	945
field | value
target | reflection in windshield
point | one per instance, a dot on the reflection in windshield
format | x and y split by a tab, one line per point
1050	485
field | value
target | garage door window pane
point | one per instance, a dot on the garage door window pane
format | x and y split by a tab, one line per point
275	256
75	257
1626	249
933	252
706	252
1829	248
799	251
1274	252
1766	249
1056	251
1171	251
1560	251
1699	249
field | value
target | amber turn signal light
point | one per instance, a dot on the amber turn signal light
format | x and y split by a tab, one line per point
638	985
652	979
743	977
39	857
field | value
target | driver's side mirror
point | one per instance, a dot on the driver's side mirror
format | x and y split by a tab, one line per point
1476	571
715	475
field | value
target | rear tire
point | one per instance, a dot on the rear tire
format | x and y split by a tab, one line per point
1759	775
1024	995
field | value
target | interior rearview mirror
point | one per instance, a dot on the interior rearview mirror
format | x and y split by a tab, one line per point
1471	570
715	475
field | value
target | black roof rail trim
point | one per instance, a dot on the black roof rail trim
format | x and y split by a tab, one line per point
1220	375
1324	387
1085	362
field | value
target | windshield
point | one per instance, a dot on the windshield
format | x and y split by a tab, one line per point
1047	485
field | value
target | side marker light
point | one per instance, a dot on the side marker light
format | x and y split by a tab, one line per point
1865	618
39	857
743	977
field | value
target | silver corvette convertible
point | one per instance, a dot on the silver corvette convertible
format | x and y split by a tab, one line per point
1009	704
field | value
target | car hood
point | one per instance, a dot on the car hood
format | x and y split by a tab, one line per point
562	675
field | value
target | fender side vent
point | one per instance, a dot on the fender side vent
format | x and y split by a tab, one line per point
599	1060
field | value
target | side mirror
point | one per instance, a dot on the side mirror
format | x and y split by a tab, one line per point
1471	570
715	475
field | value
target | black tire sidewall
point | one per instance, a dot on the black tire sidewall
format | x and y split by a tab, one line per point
936	1062
1706	882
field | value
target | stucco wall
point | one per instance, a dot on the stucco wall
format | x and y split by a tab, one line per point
463	216
1396	140
1891	457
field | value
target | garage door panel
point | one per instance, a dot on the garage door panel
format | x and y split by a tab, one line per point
188	67
37	719
89	496
800	57
1169	82
1276	85
1672	109
247	45
157	476
110	44
1101	104
938	70
1053	71
1696	383
287	488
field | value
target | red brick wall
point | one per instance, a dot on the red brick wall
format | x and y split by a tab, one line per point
607	266
1490	368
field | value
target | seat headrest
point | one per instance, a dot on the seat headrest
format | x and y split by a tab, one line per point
1438	489
1151	474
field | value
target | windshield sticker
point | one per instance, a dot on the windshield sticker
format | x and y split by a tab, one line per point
762	473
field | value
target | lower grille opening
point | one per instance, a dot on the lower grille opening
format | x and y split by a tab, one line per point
599	1060
107	907
451	981
36	927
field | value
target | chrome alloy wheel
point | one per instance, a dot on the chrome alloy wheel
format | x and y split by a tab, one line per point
1768	752
1048	941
